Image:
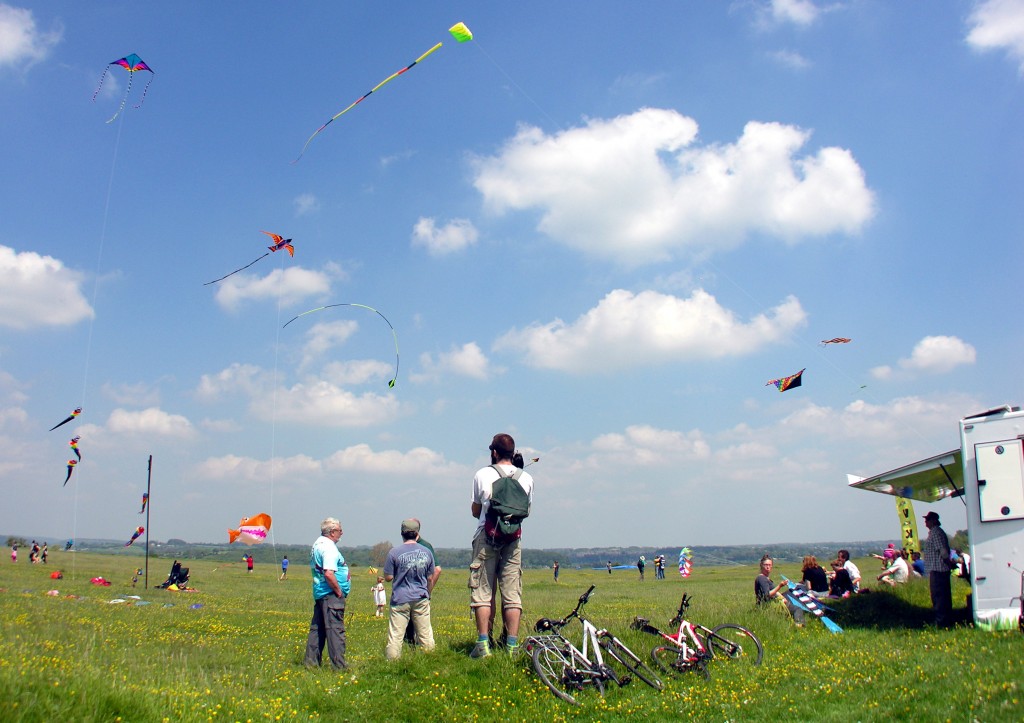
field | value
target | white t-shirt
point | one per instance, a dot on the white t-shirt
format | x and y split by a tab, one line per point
898	569
485	478
854	574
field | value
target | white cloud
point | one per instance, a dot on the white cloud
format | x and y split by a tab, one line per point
646	446
636	188
21	42
467	360
39	291
135	395
931	355
998	24
324	336
149	421
417	462
939	354
245	378
455	235
357	371
306	203
321	403
798	12
790	59
287	285
626	330
234	468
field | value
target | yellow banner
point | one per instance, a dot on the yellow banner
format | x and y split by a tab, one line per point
908	524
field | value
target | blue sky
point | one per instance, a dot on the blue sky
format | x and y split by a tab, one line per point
602	232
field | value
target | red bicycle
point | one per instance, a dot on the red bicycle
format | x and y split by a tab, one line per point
693	646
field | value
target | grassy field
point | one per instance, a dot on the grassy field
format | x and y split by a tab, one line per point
232	651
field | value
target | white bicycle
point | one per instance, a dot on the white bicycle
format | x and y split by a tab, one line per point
565	669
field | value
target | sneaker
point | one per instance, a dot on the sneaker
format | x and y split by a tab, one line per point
480	650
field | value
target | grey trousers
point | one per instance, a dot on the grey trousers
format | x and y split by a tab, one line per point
327	626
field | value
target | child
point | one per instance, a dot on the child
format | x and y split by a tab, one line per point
379	597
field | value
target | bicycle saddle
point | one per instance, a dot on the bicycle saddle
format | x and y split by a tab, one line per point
544	625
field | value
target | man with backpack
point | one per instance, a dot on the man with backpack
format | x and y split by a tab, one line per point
502	495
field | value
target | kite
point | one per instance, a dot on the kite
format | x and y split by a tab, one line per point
371	570
74	446
71	468
459	31
133	64
391	383
145	501
685	562
251	530
802	599
279	243
787	383
73	415
835	340
135	535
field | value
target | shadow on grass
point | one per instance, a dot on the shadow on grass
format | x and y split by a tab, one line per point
887	610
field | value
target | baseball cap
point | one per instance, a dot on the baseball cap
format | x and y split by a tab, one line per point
410	525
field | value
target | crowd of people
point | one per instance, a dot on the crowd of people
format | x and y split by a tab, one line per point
843	579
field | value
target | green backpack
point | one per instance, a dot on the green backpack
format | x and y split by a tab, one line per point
510	505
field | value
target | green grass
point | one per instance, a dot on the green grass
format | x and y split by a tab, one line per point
239	656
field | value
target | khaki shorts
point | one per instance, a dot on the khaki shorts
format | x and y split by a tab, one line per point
496	565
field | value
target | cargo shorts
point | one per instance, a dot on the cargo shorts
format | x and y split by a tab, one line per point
501	566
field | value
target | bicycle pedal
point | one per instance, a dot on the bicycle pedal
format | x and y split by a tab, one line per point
625	680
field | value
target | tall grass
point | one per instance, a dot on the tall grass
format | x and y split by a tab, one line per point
238	657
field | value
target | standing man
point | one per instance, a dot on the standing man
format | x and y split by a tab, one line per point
936	563
284	569
248	562
500	565
555	568
410	630
411	568
331	585
640	564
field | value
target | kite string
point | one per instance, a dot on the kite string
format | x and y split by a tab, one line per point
516	85
92	322
273	414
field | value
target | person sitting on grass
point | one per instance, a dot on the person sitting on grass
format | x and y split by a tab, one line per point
916	564
814	577
843	562
765	590
898	572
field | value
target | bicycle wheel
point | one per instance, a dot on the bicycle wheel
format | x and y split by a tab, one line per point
554	666
629	660
734	642
666	657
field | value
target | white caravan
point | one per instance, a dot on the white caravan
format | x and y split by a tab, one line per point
988	472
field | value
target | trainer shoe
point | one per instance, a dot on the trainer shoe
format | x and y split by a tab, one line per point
480	650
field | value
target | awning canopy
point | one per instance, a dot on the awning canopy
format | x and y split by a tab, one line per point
929	480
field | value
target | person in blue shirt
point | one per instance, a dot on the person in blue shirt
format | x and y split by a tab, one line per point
284	568
331	585
410	570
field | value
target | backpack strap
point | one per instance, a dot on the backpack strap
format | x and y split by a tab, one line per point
515	475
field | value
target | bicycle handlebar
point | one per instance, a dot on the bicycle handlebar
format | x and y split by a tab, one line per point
546	624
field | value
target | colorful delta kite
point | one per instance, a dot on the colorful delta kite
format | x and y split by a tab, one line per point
71	468
459	31
394	334
685	562
135	535
279	243
251	530
835	340
145	501
786	383
133	64
74	447
798	596
71	418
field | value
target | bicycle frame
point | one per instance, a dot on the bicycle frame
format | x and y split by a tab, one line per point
685	637
591	638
